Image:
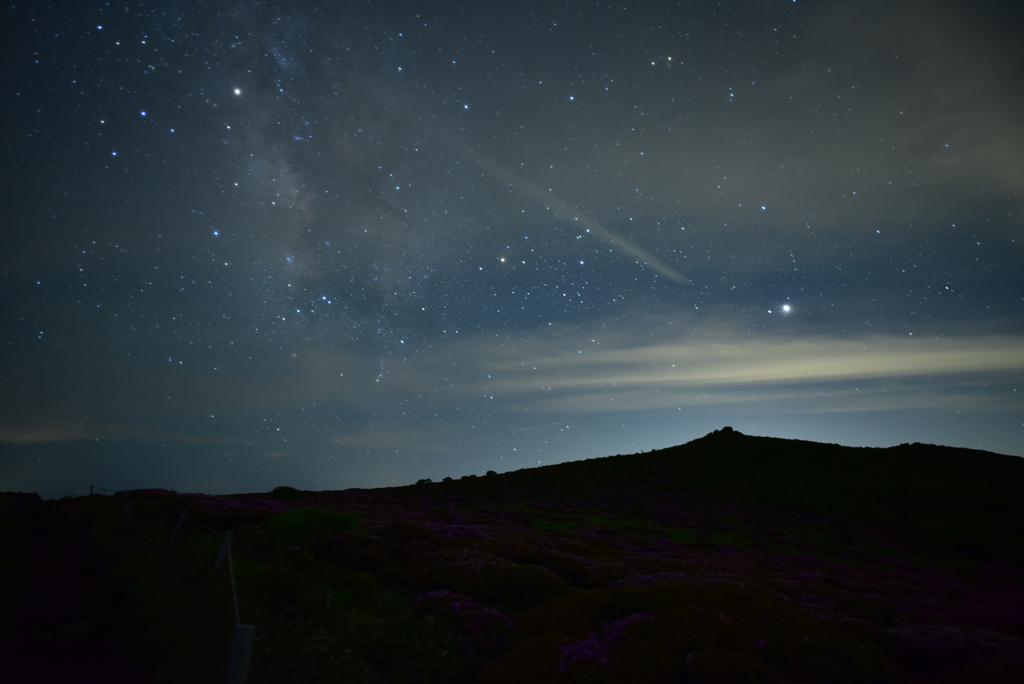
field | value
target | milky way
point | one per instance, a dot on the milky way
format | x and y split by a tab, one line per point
251	244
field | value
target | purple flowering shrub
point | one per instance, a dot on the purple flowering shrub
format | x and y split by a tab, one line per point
266	504
635	569
597	646
416	547
223	513
450	532
404	531
733	634
215	504
570	567
932	648
375	545
461	570
485	629
356	550
485	577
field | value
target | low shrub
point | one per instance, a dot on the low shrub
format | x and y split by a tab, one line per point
485	629
284	492
296	527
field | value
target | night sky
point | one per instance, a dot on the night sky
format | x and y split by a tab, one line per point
339	244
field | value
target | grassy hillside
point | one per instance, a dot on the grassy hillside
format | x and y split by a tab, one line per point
731	558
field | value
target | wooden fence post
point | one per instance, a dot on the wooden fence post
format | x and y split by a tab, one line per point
127	511
224	546
178	526
241	654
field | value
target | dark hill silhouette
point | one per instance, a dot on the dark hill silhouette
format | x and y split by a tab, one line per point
730	558
969	498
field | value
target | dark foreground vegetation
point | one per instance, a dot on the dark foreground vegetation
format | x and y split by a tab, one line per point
728	559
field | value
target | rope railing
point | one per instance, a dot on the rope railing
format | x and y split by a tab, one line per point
207	528
244	634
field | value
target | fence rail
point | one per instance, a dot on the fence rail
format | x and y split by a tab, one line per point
244	634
